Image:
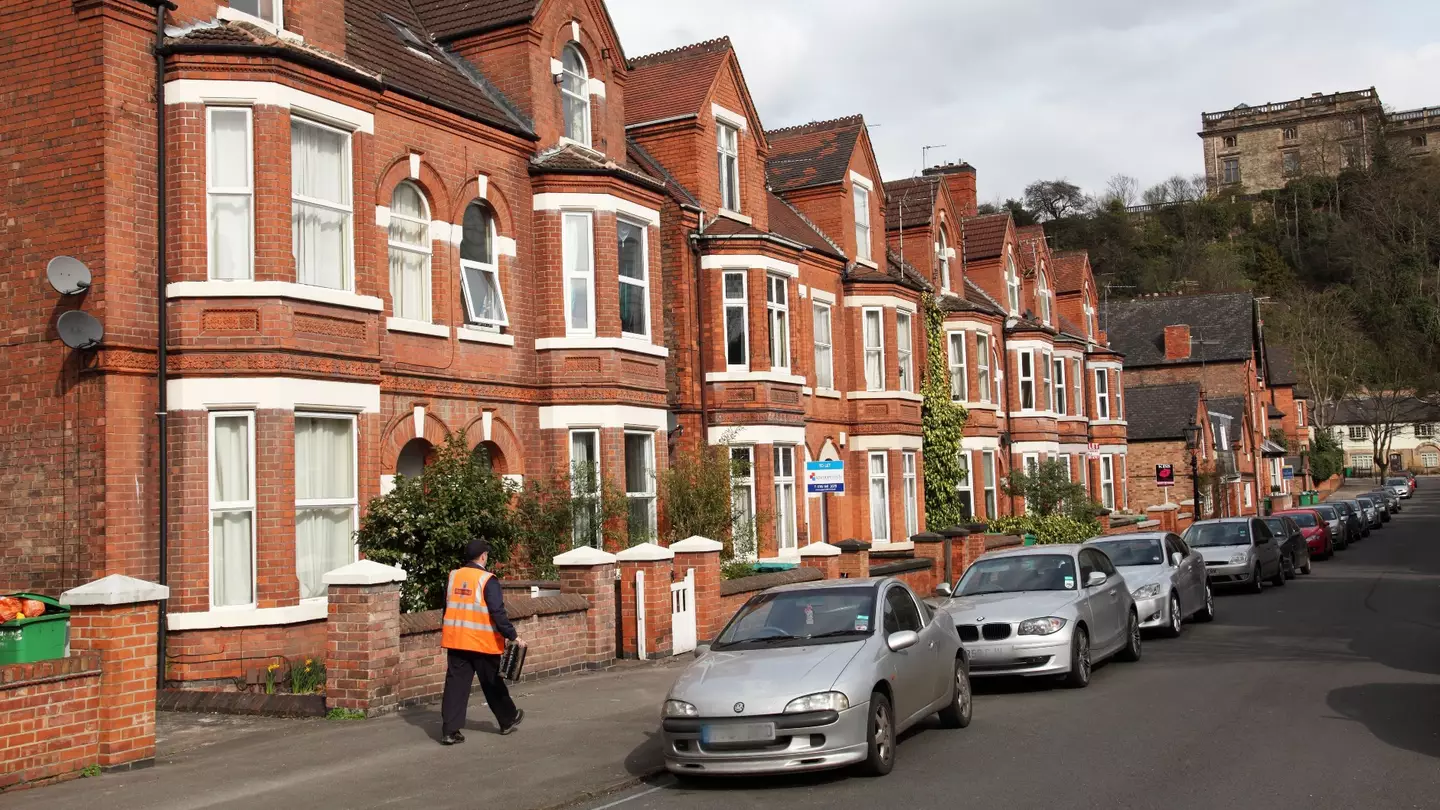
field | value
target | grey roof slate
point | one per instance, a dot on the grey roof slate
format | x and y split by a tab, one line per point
1221	324
1157	412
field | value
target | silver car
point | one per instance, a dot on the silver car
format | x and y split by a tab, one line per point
1335	520
1238	551
1043	610
1166	578
1371	512
1400	485
813	676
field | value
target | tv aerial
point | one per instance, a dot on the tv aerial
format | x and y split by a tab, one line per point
79	330
68	275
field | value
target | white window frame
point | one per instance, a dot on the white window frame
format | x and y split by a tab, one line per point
989	482
330	503
1102	393
982	366
423	249
1012	284
824	349
1358	433
1059	401
910	493
777	319
958	344
786	536
944	260
883	477
649	493
1107	480
905	350
1030	465
1079	383
743	304
347	209
1300	413
1042	288
1046	368
1064	458
278	22
747	482
1249	496
1429	459
644	281
1024	378
491	268
967	482
865	315
1089	320
213	191
728	150
575	541
862	222
570	274
246	505
1424	430
583	98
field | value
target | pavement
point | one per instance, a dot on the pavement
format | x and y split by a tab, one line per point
1321	694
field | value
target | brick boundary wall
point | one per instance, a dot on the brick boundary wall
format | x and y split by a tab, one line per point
736	592
48	719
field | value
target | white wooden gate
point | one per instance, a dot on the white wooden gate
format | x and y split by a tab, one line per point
682	614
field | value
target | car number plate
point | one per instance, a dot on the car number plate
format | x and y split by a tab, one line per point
992	653
738	733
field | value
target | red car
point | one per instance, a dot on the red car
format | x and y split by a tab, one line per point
1316	531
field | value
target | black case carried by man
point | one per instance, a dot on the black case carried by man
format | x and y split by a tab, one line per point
512	661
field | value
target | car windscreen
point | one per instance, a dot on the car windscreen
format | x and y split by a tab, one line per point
1365	503
1395	482
1304	519
1328	512
806	616
1018	573
1218	534
1277	526
1133	551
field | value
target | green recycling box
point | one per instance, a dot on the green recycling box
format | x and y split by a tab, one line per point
24	640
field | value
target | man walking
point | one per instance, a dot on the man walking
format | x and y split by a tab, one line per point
473	634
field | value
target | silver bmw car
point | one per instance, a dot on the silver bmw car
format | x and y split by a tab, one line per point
1043	610
813	676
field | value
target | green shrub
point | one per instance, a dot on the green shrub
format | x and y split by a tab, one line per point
942	423
1047	529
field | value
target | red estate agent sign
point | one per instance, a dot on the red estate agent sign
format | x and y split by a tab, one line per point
1164	475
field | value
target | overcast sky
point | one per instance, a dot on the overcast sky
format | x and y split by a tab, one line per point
1027	89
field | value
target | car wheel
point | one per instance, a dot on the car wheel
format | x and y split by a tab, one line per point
1287	566
880	757
962	704
1207	613
1131	651
1279	579
1176	619
1309	564
1256	584
1079	675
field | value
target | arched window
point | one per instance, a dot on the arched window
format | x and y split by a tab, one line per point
944	262
479	270
575	95
410	253
1042	295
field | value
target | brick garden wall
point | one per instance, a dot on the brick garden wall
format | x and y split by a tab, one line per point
48	713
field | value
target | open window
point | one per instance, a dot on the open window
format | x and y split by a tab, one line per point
479	271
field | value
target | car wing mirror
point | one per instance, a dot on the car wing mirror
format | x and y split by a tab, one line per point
943	589
1096	578
701	649
1176	558
901	640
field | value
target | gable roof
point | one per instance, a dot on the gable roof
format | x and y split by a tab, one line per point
910	203
1069	269
1157	412
673	83
453	18
984	236
1222	324
787	221
1031	240
814	154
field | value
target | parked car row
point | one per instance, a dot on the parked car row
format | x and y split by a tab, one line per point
829	674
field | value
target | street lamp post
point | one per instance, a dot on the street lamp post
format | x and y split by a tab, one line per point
1193	436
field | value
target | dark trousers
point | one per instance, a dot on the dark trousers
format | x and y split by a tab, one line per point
461	670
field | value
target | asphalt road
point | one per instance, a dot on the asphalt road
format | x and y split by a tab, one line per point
1324	693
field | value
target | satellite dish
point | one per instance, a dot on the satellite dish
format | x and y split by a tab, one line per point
79	330
68	275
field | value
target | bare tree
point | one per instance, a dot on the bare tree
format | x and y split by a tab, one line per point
1055	199
1122	189
1386	400
1322	334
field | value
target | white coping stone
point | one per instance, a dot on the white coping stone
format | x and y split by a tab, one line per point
819	550
1162	507
364	572
645	552
116	589
696	544
585	555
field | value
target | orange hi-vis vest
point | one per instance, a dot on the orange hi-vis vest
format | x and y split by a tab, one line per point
466	625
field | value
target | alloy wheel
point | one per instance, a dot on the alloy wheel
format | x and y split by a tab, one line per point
1175	618
962	686
883	744
1083	658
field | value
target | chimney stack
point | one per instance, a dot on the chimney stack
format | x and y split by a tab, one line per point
1177	342
959	180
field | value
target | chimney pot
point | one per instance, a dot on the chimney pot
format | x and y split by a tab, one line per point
1177	342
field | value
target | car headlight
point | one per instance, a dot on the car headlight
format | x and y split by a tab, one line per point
1146	591
1239	558
1040	627
819	702
679	708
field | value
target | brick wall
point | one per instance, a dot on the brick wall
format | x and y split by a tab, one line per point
48	712
216	658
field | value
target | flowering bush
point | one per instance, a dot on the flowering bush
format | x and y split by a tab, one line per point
307	677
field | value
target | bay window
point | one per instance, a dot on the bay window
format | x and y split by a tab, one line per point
578	256
1107	481
959	377
903	351
325	498
585	524
737	322
409	253
879	497
232	509
634	279
230	193
729	155
1026	362
966	486
1102	394
479	272
874	349
1047	366
640	485
784	456
824	348
991	502
320	207
1058	386
777	308
910	492
982	364
1079	381
742	499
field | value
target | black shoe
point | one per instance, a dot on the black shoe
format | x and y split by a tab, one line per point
451	739
519	715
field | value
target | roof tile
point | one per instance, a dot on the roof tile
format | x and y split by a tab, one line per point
1158	412
910	203
813	154
1070	270
985	236
787	221
1222	324
674	82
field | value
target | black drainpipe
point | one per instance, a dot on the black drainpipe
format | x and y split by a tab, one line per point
699	281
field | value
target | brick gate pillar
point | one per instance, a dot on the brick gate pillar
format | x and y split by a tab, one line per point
854	558
590	573
118	618
702	555
656	565
931	546
362	637
823	557
958	549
